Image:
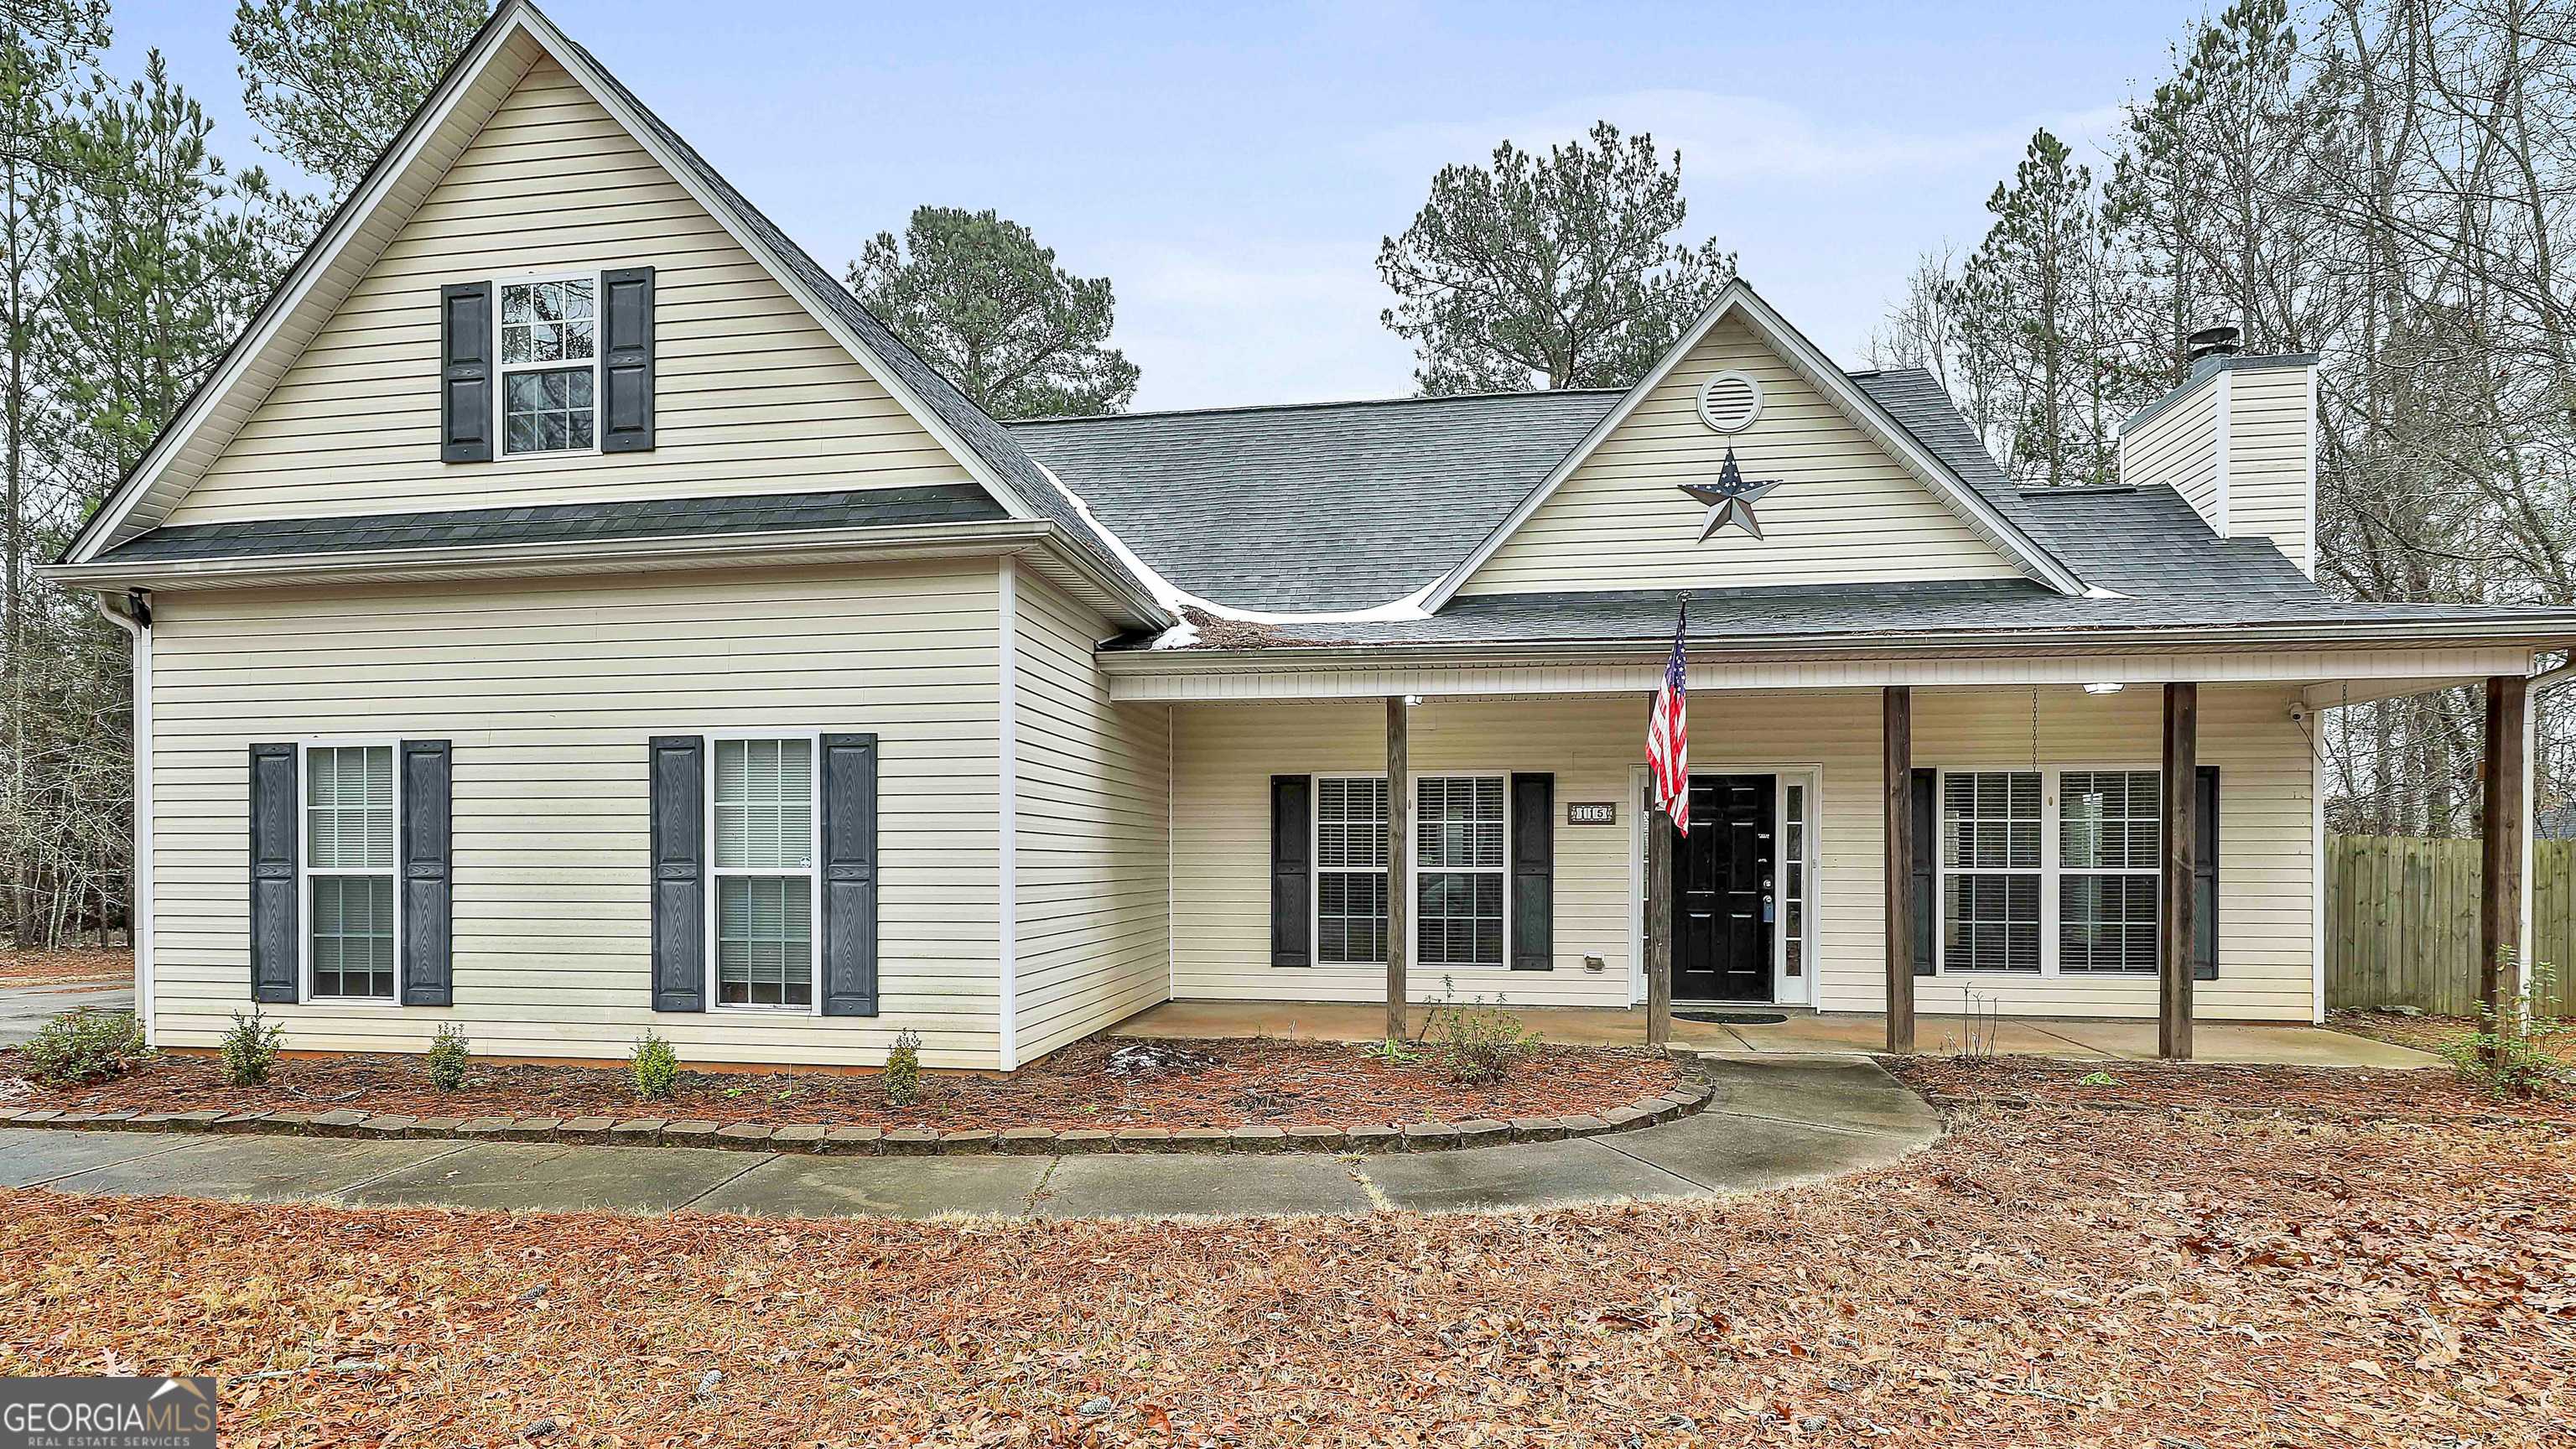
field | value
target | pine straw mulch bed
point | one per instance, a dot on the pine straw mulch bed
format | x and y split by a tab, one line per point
2369	1094
1241	1083
2040	1277
31	966
2426	1033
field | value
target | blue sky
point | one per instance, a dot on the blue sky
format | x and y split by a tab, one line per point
1232	168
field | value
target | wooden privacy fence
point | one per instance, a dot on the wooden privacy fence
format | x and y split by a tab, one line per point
2402	922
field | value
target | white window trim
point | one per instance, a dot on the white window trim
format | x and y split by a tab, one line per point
2051	872
304	872
501	371
1315	868
2055	850
1787	990
1783	776
813	871
1413	871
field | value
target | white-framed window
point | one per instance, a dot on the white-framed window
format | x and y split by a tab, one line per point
547	331
1793	879
352	927
2110	849
1350	870
763	809
1991	871
1460	876
2051	871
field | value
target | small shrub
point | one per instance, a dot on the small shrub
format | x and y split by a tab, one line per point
656	1067
1477	1043
1395	1051
250	1047
81	1047
903	1069
2097	1079
448	1051
2515	1053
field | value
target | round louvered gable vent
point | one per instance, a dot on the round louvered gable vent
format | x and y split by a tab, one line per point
1730	401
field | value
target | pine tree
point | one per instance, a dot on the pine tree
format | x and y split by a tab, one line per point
332	81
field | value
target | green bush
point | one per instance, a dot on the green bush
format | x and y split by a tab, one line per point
448	1051
903	1069
1478	1044
2515	1053
250	1048
81	1047
656	1067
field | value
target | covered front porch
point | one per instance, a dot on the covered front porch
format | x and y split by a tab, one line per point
1799	1033
2115	852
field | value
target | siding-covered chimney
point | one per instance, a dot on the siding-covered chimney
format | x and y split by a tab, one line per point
2238	440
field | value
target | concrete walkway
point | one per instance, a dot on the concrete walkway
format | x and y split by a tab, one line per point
25	1009
1805	1032
1774	1122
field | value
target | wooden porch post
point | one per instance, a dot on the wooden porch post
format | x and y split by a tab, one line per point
2176	883
1659	923
2500	947
1399	841
1896	732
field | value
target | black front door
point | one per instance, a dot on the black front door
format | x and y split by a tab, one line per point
1723	891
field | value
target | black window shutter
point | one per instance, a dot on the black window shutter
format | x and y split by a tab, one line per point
274	890
849	875
427	904
679	873
1292	881
626	360
1926	868
465	373
1533	852
2204	885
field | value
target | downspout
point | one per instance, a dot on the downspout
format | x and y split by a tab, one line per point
132	612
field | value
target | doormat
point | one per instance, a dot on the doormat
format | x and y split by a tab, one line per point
1733	1018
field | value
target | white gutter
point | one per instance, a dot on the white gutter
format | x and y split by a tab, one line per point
134	618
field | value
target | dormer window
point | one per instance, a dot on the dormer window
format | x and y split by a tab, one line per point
549	365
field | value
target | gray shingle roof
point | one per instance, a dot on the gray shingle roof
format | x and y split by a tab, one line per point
1314	509
988	440
565	523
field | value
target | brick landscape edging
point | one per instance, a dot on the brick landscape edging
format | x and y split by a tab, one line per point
818	1137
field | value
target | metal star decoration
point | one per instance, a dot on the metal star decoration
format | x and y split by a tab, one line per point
1730	499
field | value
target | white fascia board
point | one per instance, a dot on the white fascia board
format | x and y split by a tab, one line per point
1820	373
109	525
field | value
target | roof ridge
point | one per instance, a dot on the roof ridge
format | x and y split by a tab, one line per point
1318	406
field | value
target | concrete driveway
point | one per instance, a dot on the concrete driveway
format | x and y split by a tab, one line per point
25	1009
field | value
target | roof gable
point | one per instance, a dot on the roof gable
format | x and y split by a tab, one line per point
516	39
1862	497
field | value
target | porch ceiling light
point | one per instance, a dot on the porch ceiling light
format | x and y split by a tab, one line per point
2104	688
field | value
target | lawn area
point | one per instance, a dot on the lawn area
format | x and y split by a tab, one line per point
2126	1273
33	967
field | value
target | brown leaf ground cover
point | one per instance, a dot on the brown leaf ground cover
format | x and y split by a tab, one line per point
2426	1033
1246	1082
2044	1276
33	967
2425	1095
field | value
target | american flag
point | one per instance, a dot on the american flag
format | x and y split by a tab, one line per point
1668	734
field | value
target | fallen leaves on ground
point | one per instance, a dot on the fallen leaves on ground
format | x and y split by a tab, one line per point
1243	1082
2426	1094
2427	1033
2160	1278
33	966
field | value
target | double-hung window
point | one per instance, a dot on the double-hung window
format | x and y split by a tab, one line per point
349	871
549	365
1991	871
764	807
1458	870
2110	841
1350	870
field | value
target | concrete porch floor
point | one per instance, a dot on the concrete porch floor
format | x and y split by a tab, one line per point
2242	1043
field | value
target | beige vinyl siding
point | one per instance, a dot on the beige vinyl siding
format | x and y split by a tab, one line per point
1845	511
1225	754
2271	477
2178	449
752	395
1092	872
549	691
